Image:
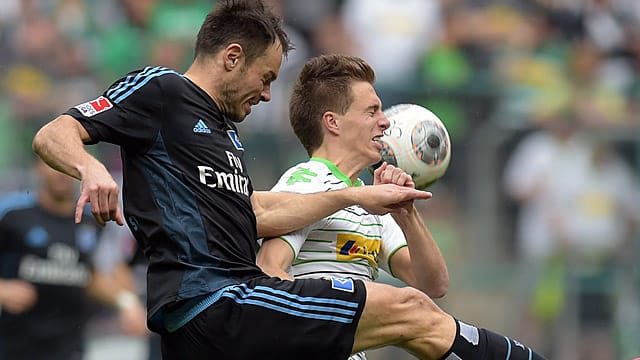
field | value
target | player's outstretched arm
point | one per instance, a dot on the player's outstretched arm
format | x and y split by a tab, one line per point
60	143
280	213
421	263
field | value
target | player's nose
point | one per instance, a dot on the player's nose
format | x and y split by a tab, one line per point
384	122
265	95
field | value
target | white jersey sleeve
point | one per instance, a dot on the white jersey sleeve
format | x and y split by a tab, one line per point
303	178
393	241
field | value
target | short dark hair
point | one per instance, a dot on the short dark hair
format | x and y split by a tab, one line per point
324	84
246	22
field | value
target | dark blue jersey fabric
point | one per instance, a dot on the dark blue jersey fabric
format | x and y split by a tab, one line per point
186	191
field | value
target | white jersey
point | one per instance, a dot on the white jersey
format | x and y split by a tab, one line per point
349	243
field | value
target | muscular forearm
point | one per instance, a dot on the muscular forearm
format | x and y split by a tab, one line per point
429	269
281	213
60	144
276	272
275	257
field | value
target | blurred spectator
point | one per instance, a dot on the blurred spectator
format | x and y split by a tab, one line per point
578	208
531	69
489	69
122	249
127	41
601	102
403	30
47	274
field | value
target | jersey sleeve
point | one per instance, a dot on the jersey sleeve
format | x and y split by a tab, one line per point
392	240
301	179
128	113
296	239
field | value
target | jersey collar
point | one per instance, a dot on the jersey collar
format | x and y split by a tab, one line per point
337	172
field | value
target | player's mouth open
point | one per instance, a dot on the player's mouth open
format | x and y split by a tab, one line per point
377	140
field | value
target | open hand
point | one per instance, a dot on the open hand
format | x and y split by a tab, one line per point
100	189
384	198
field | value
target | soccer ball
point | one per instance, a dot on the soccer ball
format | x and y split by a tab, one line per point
417	142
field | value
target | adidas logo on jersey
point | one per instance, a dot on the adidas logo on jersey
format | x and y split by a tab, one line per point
201	128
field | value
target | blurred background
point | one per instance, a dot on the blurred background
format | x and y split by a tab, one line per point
538	212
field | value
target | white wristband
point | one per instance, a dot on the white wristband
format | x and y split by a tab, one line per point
126	299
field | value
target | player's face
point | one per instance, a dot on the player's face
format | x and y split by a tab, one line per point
251	84
364	124
58	186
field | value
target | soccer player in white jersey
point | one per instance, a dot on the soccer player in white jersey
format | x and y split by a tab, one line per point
350	243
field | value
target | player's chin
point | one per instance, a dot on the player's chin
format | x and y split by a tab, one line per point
375	149
238	116
375	158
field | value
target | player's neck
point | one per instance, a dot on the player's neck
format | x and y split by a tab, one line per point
342	160
205	78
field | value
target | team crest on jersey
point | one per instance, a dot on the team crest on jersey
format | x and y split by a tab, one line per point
235	139
342	284
94	107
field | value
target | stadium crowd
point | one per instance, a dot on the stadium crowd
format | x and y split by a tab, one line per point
505	76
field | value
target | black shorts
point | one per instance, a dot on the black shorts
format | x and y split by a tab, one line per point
268	318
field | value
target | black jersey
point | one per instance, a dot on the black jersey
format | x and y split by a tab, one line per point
55	255
185	185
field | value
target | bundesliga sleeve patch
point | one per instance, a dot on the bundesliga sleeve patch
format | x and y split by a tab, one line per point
94	107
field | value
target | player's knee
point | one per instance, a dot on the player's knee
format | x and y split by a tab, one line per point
419	304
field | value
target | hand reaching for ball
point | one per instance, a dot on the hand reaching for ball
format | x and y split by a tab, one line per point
389	174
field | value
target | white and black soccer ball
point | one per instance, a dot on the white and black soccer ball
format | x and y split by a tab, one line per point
417	142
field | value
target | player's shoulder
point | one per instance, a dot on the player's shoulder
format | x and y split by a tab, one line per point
308	176
16	201
147	77
151	72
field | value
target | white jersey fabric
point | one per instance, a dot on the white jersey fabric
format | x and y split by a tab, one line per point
349	243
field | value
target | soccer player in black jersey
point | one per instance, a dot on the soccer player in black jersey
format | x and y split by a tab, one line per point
47	273
190	204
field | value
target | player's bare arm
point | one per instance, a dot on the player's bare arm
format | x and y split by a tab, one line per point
17	296
109	288
60	144
279	213
421	263
275	258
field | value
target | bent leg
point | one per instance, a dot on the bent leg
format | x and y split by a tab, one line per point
408	318
404	317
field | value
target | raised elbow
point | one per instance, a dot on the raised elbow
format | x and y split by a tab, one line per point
439	291
37	144
438	288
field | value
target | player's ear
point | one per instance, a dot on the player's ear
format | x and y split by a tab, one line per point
233	54
331	122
